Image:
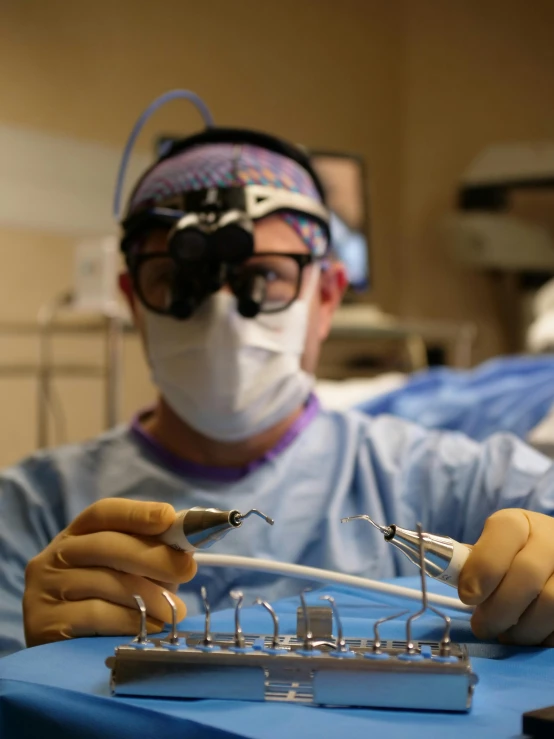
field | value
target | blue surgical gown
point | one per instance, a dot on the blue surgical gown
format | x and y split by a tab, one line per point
342	464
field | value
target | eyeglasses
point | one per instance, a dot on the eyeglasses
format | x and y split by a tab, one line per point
271	280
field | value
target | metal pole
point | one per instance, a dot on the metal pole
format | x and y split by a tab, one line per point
114	345
43	375
416	351
45	319
463	346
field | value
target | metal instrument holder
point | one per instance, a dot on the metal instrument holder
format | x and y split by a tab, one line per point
309	667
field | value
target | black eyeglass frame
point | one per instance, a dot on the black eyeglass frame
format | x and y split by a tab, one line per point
137	259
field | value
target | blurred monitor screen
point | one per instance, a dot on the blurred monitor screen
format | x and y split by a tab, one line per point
343	178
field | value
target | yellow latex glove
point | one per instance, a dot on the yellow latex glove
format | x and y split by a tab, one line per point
83	583
509	577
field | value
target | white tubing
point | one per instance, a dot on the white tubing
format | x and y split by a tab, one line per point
314	573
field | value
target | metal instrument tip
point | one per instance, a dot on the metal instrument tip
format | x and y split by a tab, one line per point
386	530
255	512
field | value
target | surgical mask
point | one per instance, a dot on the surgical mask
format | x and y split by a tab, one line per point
230	377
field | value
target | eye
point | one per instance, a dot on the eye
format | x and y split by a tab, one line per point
155	278
269	274
274	268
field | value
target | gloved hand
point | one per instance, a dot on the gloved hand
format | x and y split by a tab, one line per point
83	582
509	577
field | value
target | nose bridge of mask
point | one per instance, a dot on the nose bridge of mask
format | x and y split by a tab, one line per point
286	330
282	331
219	320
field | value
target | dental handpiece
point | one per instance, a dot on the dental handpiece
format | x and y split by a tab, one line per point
199	528
444	557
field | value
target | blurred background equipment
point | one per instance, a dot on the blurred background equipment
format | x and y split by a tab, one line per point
504	226
483	232
95	281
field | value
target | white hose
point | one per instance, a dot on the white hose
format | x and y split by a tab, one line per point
316	574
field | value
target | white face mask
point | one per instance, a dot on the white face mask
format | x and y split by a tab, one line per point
226	376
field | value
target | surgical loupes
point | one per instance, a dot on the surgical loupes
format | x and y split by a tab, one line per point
444	557
199	528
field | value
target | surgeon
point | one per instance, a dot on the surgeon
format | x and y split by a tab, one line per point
225	240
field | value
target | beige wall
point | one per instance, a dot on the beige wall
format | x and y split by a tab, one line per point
477	72
418	88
